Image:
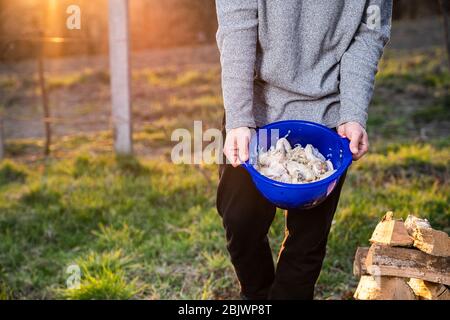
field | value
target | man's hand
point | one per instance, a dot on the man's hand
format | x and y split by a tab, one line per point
359	141
236	145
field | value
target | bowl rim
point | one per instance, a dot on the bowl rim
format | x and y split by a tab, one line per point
347	158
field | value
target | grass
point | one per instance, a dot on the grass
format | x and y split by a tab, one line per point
79	78
170	78
439	110
8	83
102	276
143	228
11	172
148	229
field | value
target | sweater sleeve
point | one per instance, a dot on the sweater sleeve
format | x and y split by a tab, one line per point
359	63
236	40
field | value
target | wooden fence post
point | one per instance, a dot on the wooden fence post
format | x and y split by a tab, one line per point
44	95
2	140
120	75
444	6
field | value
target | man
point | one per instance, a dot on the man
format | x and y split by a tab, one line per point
313	60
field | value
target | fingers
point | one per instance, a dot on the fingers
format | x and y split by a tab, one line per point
341	130
365	144
363	147
236	145
230	150
355	139
242	143
359	141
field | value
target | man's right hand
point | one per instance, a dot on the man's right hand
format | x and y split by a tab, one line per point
236	145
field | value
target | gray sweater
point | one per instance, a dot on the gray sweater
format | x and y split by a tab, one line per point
314	60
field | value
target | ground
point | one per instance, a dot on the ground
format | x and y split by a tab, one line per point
143	228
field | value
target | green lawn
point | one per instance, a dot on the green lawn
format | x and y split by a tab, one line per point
143	228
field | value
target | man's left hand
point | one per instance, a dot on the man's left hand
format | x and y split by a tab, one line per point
359	141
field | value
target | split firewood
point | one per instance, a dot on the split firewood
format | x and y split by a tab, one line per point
426	290
408	263
413	222
391	232
428	240
359	263
383	288
432	241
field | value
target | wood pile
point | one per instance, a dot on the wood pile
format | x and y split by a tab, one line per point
406	261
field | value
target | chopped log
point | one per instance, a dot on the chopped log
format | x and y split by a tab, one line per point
391	232
427	239
412	222
409	263
434	242
359	263
428	290
383	288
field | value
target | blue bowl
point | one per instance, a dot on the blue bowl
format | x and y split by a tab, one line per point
296	196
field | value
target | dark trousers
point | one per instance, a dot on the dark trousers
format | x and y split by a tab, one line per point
247	217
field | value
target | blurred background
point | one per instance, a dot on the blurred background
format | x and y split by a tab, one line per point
139	227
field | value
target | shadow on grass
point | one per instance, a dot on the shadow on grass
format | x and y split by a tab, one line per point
415	168
11	172
130	165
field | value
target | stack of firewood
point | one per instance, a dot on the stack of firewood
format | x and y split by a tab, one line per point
406	261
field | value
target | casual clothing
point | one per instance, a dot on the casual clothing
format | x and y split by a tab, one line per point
300	59
313	60
247	216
